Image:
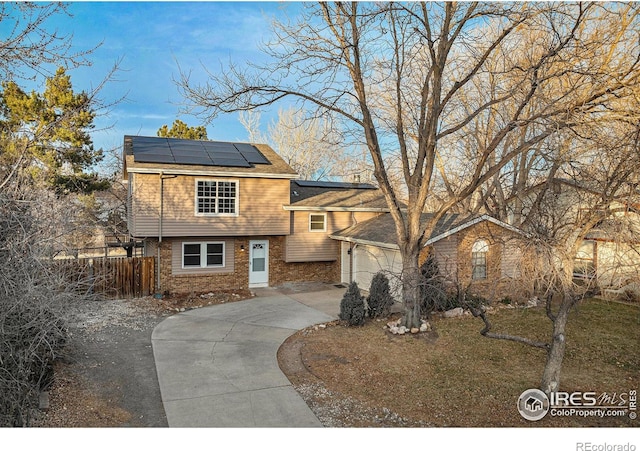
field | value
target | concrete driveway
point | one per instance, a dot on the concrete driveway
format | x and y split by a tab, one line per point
217	366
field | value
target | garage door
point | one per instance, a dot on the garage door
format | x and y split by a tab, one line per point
369	260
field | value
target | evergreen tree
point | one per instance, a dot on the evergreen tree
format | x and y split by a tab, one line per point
352	308
181	130
380	299
46	135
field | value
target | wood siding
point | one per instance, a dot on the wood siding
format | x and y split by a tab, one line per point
260	208
305	246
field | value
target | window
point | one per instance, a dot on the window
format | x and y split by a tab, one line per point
318	222
479	252
203	255
216	197
584	266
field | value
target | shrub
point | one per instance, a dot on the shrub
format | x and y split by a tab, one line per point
352	308
433	295
33	336
380	299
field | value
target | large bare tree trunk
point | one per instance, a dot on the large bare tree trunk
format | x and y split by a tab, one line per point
411	286
551	375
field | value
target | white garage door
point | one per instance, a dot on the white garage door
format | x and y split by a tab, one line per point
369	260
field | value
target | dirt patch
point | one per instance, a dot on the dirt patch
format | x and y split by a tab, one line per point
106	376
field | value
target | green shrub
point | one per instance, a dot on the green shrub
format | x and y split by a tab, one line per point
506	300
352	308
380	299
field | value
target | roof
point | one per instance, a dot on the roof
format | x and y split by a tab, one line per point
555	182
146	154
381	231
335	196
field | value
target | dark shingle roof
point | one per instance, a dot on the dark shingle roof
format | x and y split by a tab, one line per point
336	195
381	230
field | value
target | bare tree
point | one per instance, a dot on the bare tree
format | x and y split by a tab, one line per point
28	44
308	145
398	76
35	290
37	132
597	191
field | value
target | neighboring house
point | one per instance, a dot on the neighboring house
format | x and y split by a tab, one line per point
610	251
475	253
232	216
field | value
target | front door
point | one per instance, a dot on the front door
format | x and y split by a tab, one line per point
259	263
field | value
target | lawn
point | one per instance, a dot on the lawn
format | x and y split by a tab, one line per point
456	377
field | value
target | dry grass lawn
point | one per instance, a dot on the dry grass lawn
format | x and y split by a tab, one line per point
456	377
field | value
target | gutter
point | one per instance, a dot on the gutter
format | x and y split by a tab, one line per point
196	172
316	208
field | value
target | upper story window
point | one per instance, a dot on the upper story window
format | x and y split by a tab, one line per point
216	197
318	222
479	252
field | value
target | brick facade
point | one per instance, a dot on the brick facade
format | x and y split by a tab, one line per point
279	271
497	284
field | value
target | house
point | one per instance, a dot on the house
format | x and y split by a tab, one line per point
220	215
533	404
475	253
610	251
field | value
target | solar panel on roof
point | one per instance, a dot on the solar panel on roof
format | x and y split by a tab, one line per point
324	184
185	151
251	154
151	158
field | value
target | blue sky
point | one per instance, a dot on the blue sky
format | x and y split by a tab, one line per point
152	40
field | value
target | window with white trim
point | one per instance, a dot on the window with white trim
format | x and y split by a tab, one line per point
317	222
203	255
479	252
584	264
216	197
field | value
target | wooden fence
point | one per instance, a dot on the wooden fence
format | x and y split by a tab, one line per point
116	277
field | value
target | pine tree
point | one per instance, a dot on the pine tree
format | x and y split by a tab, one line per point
380	299
352	308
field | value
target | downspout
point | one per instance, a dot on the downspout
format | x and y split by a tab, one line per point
158	292
160	218
353	261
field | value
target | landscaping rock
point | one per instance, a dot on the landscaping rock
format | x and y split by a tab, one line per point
532	302
415	330
454	313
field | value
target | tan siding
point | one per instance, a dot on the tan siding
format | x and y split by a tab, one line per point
176	256
260	209
446	253
144	205
305	246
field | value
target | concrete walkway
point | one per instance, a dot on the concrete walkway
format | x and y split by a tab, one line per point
217	366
